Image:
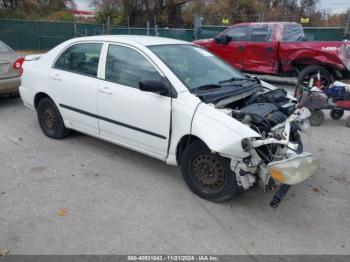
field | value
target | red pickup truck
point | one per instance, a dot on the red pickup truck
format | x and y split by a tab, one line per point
280	48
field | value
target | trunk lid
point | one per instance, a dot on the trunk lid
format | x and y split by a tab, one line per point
7	59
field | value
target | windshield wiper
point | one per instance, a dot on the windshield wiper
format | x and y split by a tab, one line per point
234	79
206	87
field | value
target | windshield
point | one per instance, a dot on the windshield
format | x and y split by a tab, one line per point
196	67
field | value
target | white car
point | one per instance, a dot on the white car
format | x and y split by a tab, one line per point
174	101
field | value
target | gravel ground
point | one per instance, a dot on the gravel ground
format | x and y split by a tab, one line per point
85	196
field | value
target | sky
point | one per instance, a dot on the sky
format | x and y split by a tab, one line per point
86	5
336	6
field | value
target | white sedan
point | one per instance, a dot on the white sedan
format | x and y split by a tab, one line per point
174	101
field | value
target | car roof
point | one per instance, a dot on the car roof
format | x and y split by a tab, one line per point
264	23
134	39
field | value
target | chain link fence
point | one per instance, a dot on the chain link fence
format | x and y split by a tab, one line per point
44	35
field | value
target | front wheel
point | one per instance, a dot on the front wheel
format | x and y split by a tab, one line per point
208	175
50	119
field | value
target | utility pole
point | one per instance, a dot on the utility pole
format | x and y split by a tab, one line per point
347	27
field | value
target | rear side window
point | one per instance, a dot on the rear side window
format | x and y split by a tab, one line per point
293	33
238	33
3	47
261	33
80	58
128	67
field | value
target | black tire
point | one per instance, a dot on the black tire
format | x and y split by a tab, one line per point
50	119
337	113
317	118
215	181
311	72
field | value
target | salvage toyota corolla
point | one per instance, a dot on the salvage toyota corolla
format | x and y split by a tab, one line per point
176	102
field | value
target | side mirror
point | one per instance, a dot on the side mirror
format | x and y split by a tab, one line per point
154	86
223	39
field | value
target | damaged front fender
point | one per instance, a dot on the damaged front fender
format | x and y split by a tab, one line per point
222	133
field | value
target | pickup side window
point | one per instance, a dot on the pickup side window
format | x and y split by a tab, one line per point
128	67
81	59
3	47
239	33
261	33
293	33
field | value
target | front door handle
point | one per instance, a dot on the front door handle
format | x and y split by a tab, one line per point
56	78
105	90
241	48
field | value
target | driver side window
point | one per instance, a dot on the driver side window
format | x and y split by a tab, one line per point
128	67
238	33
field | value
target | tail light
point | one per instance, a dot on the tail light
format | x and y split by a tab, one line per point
18	65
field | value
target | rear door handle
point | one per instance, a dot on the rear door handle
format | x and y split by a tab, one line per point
241	48
105	90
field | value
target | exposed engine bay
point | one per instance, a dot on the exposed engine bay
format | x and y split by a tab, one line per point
275	116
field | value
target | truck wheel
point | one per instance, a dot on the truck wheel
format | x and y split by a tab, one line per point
208	175
310	72
337	113
50	119
317	118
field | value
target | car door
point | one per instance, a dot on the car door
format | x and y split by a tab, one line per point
131	117
232	52
73	83
260	54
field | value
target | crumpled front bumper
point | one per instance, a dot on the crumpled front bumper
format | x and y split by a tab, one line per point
293	170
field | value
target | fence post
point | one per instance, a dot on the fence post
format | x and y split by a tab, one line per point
108	25
148	27
38	34
75	29
197	25
347	27
156	33
128	25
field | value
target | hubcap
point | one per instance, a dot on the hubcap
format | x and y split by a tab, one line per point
49	118
207	172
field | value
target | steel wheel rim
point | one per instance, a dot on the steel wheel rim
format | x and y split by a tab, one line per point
49	118
208	173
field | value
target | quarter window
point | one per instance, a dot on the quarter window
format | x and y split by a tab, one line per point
80	58
128	67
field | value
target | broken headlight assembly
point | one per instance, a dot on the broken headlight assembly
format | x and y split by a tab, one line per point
293	170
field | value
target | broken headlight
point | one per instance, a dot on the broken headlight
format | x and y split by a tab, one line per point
293	170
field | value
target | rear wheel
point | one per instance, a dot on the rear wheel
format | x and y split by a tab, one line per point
309	74
50	119
317	118
208	175
337	113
